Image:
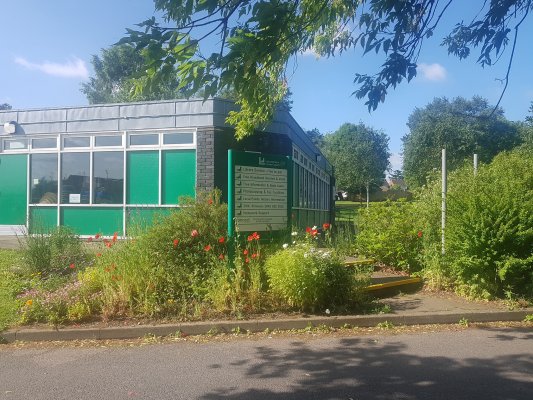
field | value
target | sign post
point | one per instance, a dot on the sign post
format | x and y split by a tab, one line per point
259	195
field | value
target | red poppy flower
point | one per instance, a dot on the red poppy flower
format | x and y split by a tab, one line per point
207	248
194	233
326	226
108	245
98	254
255	235
314	232
255	255
97	236
250	238
210	202
419	234
175	243
308	230
89	239
245	252
72	266
247	260
115	236
221	257
221	240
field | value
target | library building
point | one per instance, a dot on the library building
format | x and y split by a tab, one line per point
98	168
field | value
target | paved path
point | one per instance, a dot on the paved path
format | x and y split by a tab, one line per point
490	363
9	242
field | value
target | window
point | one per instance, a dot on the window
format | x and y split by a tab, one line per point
178	138
43	178
144	140
103	141
46	143
75	178
108	177
77	142
15	144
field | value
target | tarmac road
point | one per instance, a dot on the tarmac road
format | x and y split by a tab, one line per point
480	363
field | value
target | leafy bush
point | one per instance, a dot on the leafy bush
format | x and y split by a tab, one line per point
391	233
489	231
57	253
310	279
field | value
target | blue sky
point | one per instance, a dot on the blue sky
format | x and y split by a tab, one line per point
46	49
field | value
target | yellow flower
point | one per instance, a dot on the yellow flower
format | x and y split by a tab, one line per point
29	302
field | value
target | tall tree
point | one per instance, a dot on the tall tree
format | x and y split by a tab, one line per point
316	137
463	127
117	69
5	106
529	118
113	82
258	38
360	156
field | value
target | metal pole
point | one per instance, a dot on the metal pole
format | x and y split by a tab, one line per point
444	187
231	208
475	164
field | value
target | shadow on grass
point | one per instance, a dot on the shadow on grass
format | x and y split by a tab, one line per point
361	368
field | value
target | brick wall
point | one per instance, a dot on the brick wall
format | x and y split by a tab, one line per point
205	155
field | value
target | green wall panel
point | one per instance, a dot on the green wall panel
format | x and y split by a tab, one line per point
179	175
13	188
142	184
89	221
138	219
43	219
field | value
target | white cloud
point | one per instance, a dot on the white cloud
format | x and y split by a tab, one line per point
74	68
432	72
310	52
396	161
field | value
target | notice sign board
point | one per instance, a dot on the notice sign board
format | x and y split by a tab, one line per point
258	195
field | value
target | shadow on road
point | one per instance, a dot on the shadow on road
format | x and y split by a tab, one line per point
361	368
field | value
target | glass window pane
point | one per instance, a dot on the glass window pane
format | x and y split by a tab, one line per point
76	142
43	178
46	143
102	141
108	177
18	144
144	140
178	138
75	175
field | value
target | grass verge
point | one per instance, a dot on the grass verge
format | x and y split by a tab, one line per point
9	285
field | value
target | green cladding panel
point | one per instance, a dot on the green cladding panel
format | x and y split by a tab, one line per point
179	175
13	189
140	218
90	221
43	219
142	177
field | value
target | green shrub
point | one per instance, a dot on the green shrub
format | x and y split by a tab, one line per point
310	279
187	243
57	253
391	233
489	231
